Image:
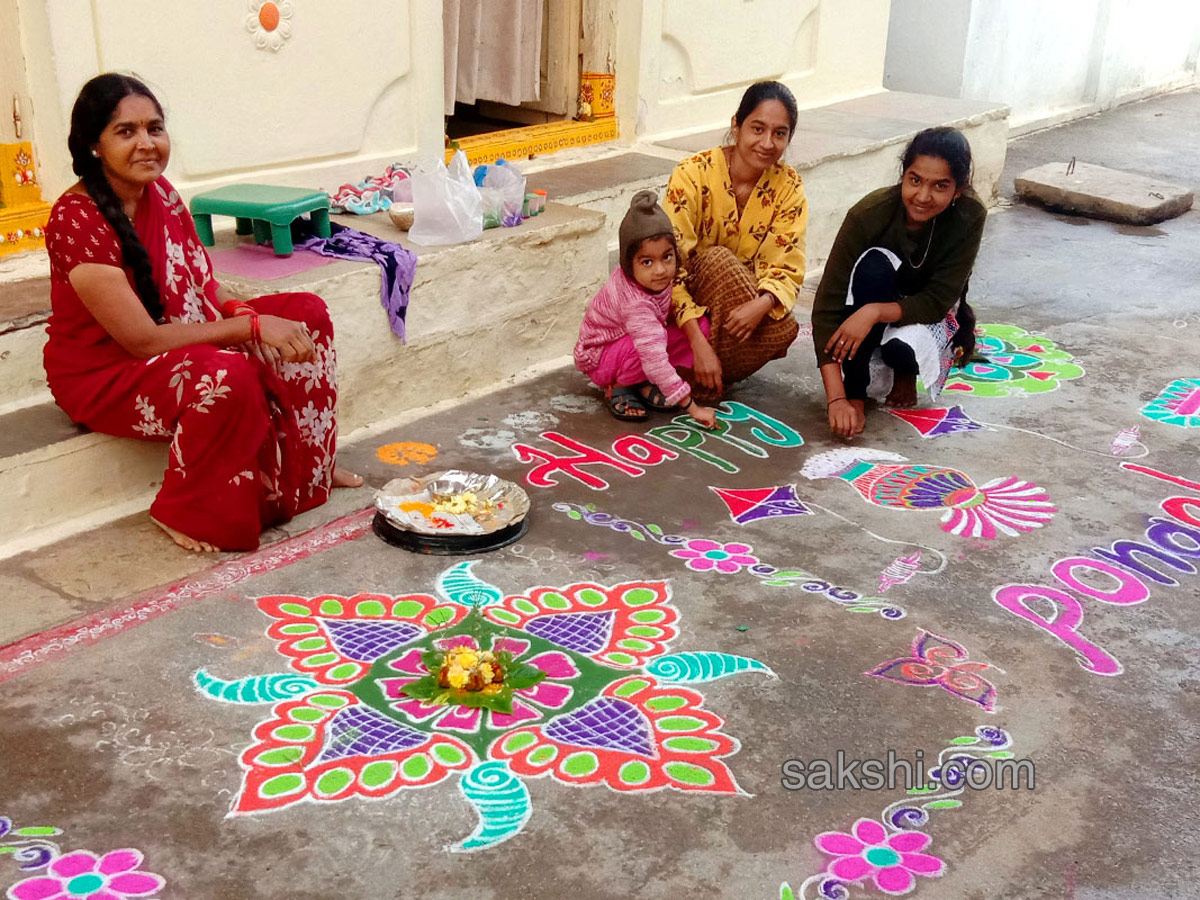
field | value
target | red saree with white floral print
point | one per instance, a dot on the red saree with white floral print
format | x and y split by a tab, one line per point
249	448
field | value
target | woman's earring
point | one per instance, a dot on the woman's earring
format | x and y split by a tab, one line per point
96	153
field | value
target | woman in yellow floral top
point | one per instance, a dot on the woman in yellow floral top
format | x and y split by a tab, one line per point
740	218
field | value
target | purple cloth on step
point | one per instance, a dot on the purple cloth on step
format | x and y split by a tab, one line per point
398	266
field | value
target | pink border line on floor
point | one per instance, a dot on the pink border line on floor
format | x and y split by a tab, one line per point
27	653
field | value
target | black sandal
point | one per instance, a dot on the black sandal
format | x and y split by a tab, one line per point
620	401
655	400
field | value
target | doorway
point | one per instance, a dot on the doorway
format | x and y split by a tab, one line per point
510	63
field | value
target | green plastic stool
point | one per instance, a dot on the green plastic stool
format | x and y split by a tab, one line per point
265	211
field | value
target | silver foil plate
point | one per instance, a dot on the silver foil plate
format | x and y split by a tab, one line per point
507	503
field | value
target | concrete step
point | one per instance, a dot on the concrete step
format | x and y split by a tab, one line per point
480	314
24	309
606	184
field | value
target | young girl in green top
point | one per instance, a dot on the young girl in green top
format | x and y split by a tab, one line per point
892	302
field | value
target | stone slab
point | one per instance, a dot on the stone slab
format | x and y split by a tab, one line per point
33	427
860	125
586	178
28	606
116	560
925	109
1103	193
21	299
808	146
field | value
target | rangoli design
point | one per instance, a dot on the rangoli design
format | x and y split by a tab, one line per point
1017	363
938	421
402	453
891	852
609	706
1178	404
82	875
704	555
632	454
935	661
77	875
30	846
1125	440
751	504
1002	506
899	571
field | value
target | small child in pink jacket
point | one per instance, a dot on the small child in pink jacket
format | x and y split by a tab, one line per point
626	345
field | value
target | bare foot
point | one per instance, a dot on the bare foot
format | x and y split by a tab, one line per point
187	543
904	391
344	478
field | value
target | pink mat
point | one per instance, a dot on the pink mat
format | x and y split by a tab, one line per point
255	261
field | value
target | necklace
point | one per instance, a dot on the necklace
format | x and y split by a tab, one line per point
741	193
741	196
928	244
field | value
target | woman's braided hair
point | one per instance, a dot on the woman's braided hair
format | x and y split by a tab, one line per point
94	109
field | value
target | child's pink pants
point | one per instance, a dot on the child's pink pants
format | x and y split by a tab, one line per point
621	365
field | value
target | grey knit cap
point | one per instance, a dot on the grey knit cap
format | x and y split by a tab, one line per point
645	219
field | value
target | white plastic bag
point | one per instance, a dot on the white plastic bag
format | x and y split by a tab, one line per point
447	204
507	180
493	207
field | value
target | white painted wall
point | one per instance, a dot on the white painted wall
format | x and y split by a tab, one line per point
1048	61
357	85
698	56
917	25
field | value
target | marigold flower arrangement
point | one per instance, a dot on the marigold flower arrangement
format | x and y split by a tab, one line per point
465	668
466	676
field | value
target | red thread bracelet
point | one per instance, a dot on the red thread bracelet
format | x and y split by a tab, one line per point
255	329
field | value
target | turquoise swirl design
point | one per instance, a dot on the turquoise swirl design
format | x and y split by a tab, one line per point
458	585
502	801
692	668
256	689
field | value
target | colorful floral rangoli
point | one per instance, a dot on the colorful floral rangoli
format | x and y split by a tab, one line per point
1001	506
1177	404
1017	363
935	661
610	709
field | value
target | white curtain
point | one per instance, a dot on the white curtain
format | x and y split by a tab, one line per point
493	50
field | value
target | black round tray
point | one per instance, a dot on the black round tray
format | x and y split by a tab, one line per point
447	544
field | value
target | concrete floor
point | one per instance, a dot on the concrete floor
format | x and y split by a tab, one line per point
106	739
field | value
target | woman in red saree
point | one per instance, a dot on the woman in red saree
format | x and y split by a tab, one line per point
143	342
